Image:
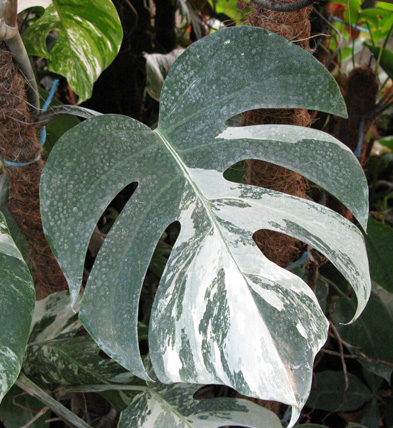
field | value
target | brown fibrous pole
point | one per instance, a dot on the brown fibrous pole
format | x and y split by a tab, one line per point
19	143
295	27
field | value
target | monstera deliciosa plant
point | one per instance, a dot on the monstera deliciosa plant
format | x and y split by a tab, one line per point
223	313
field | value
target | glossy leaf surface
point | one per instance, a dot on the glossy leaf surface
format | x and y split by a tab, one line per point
89	33
173	406
17	298
216	282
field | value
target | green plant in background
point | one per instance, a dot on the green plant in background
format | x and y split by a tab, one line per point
87	36
216	281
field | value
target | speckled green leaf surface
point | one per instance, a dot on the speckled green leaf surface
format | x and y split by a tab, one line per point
216	283
17	298
89	33
173	406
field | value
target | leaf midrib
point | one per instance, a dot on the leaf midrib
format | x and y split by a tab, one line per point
183	167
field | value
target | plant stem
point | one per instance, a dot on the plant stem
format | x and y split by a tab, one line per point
31	388
9	33
17	48
101	388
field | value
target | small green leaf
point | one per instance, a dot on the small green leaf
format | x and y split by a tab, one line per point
386	60
379	244
17	298
90	35
173	406
328	392
370	335
387	142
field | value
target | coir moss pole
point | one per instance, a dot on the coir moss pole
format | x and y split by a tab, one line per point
294	26
19	143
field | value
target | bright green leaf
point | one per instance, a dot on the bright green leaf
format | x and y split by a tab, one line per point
16	308
90	35
387	142
328	392
173	406
379	243
371	335
216	282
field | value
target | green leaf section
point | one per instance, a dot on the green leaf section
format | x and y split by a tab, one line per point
216	282
371	335
328	392
18	409
173	406
379	243
90	35
17	298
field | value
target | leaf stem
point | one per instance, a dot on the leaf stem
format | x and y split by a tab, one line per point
101	388
17	48
9	33
35	391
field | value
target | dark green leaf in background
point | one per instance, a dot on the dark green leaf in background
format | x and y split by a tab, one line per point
18	408
327	392
379	244
371	334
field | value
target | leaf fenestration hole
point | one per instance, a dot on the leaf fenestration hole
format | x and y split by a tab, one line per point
153	275
106	221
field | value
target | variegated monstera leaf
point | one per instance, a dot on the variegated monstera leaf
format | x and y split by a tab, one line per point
223	313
